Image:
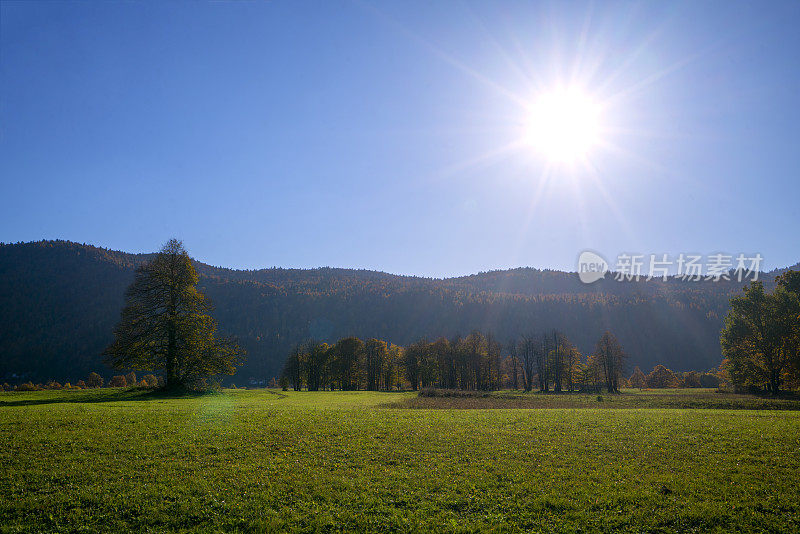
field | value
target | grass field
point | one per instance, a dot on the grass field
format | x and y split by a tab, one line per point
111	460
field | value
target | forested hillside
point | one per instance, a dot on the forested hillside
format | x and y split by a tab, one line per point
59	302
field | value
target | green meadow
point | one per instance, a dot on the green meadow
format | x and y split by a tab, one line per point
263	460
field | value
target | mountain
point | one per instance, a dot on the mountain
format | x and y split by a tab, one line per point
60	300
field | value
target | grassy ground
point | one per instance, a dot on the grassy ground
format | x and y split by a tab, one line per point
658	398
272	461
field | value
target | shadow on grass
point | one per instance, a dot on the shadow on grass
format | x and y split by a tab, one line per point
106	395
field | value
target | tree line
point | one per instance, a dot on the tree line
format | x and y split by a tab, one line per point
93	381
548	361
659	377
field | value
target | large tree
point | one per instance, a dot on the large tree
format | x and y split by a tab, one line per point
413	356
528	348
611	358
294	370
513	357
348	361
166	324
375	352
787	295
392	370
318	365
761	333
638	379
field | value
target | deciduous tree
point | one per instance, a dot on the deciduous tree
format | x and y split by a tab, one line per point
637	379
94	380
166	324
375	356
754	339
612	359
661	377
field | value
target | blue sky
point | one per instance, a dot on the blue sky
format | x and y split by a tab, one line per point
386	135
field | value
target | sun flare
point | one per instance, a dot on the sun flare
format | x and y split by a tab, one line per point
563	125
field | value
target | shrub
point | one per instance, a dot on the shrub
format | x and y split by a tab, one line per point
130	379
638	380
80	384
433	392
7	386
26	386
118	381
52	384
661	377
94	380
691	379
149	381
709	380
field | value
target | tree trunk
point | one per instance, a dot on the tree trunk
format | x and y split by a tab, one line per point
775	382
172	340
172	379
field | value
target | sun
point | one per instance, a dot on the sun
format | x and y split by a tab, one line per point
563	125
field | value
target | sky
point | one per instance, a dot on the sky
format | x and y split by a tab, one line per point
392	135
